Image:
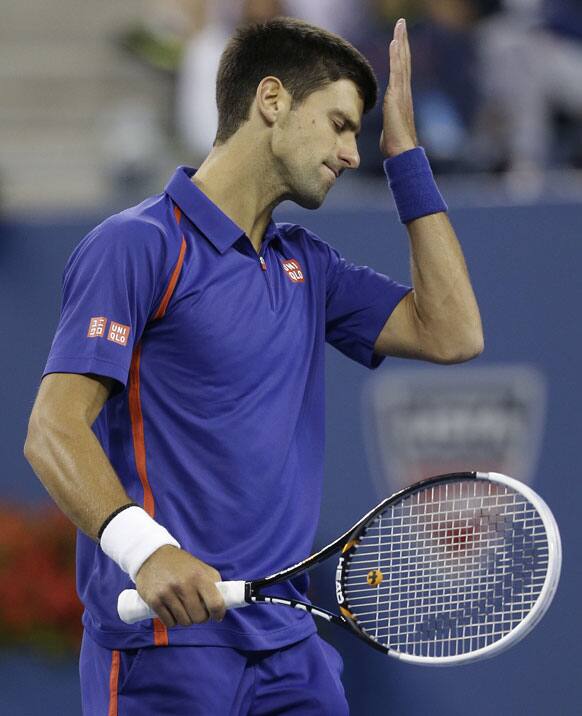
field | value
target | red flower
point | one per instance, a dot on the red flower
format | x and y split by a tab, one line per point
38	601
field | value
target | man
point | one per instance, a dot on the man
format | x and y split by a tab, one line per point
179	422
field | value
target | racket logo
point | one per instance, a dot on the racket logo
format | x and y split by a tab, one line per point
455	538
375	577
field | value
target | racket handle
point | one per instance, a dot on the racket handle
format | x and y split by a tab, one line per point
233	594
132	608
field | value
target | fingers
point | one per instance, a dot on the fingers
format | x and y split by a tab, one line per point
200	602
213	601
187	606
395	69
195	610
171	610
186	613
407	58
398	130
164	614
400	64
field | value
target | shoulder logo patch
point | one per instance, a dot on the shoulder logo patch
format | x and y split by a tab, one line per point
97	327
293	270
118	333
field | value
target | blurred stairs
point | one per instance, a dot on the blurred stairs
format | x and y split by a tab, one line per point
64	86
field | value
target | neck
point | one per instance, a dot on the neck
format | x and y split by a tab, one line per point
239	178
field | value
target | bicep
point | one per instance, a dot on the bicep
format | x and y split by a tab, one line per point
72	396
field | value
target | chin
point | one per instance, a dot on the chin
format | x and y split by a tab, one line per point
311	200
309	203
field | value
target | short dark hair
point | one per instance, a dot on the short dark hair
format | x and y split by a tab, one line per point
304	57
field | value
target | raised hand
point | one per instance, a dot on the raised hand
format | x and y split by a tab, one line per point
398	132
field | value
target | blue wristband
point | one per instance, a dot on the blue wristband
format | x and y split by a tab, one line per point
413	186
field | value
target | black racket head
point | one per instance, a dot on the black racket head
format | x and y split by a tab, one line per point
453	569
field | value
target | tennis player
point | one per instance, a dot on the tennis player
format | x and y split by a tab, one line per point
180	419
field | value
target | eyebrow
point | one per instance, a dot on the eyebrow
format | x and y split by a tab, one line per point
350	124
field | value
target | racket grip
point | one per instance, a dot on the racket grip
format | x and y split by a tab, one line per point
132	608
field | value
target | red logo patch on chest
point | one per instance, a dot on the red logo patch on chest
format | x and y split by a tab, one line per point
293	270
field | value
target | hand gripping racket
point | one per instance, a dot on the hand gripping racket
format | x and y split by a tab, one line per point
453	569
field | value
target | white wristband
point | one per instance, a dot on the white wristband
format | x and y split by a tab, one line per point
131	537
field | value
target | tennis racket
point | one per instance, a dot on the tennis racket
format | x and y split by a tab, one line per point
453	569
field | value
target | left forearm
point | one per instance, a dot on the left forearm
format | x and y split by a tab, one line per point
439	321
444	301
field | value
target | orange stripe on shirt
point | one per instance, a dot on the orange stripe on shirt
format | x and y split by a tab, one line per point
160	633
113	683
136	417
137	430
175	273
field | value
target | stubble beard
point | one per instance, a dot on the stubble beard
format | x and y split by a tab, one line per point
309	193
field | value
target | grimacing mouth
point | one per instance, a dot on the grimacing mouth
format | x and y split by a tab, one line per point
336	172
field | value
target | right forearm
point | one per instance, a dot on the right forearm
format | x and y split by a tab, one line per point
70	462
72	465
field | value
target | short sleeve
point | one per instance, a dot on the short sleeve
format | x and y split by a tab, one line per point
111	286
359	301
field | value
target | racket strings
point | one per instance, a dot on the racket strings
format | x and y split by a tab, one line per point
449	569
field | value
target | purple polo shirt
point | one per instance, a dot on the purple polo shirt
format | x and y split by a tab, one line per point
217	423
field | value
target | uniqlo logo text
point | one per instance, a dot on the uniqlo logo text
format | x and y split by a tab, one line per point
293	270
118	333
97	327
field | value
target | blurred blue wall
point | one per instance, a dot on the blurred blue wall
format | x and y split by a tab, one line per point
524	263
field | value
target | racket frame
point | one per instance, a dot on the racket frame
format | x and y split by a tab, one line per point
349	539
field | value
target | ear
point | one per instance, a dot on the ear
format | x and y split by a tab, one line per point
273	100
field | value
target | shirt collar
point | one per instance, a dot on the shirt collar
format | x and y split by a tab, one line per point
219	229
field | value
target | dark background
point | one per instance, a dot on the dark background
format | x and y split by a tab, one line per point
524	262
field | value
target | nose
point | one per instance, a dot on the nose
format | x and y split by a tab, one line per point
349	155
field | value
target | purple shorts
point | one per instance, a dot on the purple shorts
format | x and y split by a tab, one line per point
302	679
